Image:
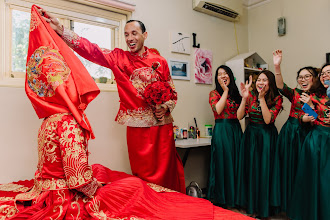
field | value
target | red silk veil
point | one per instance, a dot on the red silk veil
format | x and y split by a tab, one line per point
56	81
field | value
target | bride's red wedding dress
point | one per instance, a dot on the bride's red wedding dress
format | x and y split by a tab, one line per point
64	186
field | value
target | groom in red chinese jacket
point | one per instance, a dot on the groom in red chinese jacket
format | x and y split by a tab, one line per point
150	142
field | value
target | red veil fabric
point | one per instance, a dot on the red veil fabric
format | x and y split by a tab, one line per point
56	80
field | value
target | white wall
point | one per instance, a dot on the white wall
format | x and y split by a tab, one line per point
305	43
19	124
217	35
19	128
213	34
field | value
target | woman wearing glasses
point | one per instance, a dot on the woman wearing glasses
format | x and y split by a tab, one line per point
257	149
294	131
311	194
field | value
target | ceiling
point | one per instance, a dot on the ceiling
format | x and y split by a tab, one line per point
252	3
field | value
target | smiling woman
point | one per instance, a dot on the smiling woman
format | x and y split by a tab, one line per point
294	131
224	101
311	193
256	187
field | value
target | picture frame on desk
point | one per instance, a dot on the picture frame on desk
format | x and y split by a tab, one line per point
179	69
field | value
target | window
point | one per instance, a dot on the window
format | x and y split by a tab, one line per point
102	37
19	41
104	30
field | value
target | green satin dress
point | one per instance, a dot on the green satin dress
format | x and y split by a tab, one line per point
257	190
289	144
255	187
226	140
311	192
311	196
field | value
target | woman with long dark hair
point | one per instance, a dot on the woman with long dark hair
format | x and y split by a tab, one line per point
254	180
311	192
295	129
224	101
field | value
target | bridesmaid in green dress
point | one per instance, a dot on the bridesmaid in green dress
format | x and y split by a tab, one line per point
224	101
311	194
296	128
256	155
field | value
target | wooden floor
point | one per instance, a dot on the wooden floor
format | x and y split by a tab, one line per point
278	217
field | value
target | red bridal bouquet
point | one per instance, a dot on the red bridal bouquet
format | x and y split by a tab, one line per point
157	93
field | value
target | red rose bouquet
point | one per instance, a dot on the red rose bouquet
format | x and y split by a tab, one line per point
157	93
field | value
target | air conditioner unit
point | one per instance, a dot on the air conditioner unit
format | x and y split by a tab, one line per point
229	10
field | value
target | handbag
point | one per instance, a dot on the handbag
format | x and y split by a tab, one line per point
194	190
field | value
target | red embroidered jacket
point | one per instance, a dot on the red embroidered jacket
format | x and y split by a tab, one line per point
62	156
132	74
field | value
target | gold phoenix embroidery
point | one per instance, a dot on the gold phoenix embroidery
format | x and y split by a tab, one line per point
8	210
142	77
141	118
34	23
76	204
10	187
61	197
47	141
158	188
6	198
74	155
67	147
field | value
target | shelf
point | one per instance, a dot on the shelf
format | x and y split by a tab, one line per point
238	65
248	70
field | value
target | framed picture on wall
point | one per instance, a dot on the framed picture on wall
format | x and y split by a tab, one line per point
180	42
203	66
179	69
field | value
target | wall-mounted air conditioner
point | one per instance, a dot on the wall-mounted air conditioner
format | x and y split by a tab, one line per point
229	10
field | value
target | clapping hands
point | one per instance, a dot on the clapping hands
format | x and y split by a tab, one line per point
245	88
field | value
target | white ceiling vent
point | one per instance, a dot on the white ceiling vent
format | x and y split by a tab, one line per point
229	10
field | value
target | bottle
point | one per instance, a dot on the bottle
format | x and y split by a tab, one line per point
197	133
184	133
208	130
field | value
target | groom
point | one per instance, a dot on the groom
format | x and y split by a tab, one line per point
150	141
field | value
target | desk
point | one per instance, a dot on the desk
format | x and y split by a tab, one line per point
191	143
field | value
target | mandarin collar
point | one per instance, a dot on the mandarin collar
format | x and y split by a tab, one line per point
142	56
